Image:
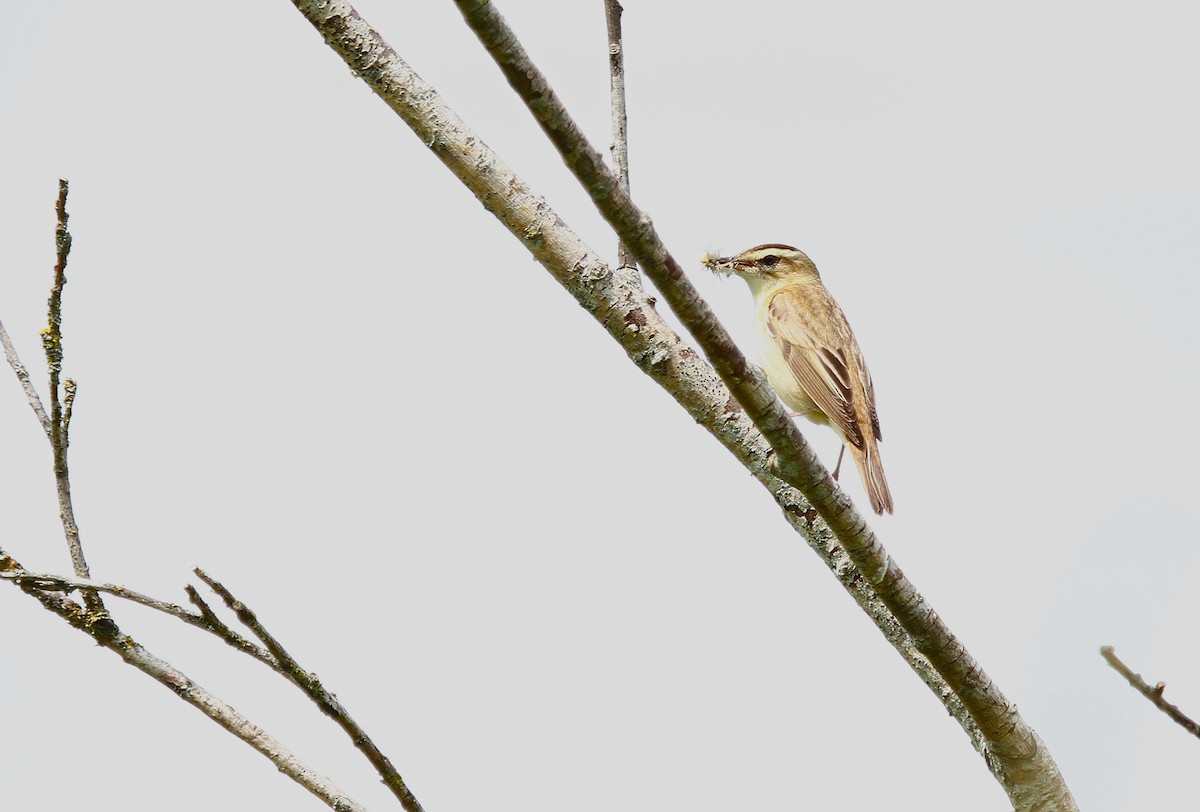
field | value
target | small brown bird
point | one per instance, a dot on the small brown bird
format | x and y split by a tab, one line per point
810	356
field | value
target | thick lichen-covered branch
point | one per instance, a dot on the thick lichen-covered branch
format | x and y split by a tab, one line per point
814	504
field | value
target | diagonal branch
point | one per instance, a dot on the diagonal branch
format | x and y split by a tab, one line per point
206	620
14	361
106	632
1013	751
274	655
329	704
1155	694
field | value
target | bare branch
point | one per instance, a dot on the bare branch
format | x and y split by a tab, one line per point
106	632
60	408
61	583
1155	694
92	618
274	655
14	361
620	133
326	701
218	627
207	621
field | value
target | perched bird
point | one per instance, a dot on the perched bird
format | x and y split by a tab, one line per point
810	356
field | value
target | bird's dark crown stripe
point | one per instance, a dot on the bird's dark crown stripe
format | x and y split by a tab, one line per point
780	246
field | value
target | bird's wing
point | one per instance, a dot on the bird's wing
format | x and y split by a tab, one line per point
870	390
822	371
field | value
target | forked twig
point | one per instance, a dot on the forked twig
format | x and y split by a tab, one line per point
311	685
48	582
91	617
50	593
274	655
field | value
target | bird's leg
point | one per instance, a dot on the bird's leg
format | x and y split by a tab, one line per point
838	469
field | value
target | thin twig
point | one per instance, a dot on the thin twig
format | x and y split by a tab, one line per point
62	583
326	701
620	131
91	617
60	408
105	631
209	622
274	655
14	361
1154	694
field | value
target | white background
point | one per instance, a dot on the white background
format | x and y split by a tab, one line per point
312	364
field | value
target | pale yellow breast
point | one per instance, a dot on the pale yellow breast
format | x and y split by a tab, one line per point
779	374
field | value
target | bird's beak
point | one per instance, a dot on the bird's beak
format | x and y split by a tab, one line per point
723	265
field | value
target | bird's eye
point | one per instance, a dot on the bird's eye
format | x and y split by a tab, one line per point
769	261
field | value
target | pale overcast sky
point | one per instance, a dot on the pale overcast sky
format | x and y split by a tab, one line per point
310	362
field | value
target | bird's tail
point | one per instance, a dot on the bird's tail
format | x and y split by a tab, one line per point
870	468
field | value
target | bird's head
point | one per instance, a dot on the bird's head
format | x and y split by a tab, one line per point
763	264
